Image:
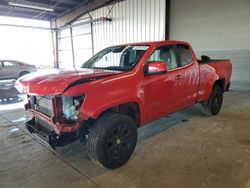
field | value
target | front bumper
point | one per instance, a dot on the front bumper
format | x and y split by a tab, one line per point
59	128
50	136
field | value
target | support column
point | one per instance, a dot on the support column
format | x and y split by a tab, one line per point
167	23
92	34
72	47
54	35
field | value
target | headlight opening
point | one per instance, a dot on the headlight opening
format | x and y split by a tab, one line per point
71	105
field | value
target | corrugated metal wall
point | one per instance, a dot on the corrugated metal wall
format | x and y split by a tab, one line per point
220	29
132	21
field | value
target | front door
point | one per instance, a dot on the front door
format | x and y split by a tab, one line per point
164	93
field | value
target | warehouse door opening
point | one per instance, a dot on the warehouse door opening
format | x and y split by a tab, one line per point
24	48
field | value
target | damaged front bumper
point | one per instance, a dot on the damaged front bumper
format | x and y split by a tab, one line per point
55	134
54	119
50	136
59	128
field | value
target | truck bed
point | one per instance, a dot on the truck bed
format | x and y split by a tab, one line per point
222	67
212	61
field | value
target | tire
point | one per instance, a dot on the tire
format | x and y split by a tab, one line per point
23	73
112	140
213	105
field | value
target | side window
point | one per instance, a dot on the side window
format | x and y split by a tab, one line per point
9	64
1	65
165	54
185	54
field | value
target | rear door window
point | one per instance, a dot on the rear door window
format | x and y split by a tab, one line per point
9	64
184	54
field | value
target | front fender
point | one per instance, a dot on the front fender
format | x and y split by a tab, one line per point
94	114
102	95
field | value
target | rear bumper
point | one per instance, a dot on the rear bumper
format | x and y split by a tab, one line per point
49	135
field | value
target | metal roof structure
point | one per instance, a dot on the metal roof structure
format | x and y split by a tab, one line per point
42	9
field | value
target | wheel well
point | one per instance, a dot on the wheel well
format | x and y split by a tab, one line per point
221	83
130	109
23	73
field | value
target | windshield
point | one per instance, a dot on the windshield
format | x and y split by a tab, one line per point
120	58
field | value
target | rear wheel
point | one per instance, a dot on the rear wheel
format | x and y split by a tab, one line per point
112	140
213	105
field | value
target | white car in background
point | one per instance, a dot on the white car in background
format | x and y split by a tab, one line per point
10	69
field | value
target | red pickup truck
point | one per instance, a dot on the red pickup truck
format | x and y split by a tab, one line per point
118	90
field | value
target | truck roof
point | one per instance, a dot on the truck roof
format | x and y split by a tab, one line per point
154	43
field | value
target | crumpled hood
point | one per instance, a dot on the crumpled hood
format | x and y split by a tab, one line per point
56	81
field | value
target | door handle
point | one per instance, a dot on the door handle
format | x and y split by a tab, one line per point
178	77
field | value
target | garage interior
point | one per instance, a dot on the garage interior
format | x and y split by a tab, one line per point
184	149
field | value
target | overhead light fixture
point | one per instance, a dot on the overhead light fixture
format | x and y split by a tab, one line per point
38	7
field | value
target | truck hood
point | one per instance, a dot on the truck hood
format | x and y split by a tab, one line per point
56	81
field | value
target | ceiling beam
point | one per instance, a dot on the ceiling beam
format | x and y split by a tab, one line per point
65	11
75	13
14	11
23	15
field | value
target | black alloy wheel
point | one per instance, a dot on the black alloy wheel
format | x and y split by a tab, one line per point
112	140
213	105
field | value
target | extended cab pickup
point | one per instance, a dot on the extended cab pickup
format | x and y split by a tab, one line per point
119	89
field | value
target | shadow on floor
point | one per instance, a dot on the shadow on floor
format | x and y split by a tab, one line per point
76	155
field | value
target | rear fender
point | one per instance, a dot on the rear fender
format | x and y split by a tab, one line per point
208	77
205	94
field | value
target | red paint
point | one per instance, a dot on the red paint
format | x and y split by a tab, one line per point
157	95
55	81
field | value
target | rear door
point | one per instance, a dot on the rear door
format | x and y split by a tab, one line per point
190	67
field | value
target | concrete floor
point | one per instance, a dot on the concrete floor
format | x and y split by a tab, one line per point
186	149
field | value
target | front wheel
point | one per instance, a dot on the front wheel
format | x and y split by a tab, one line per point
213	105
112	140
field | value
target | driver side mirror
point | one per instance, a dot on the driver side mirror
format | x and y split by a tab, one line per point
155	67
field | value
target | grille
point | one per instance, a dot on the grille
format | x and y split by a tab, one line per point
42	104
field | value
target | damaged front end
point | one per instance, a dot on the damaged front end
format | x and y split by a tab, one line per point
56	119
54	103
49	135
